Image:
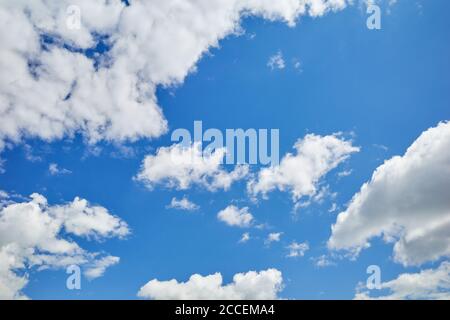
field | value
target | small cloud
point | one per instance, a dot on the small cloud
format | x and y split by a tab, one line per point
29	155
323	261
276	61
54	170
297	249
333	207
273	237
183	204
233	216
344	173
381	146
297	64
245	237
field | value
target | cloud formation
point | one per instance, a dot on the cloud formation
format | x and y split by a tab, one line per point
301	173
181	167
264	285
236	217
51	86
407	201
429	284
32	234
183	204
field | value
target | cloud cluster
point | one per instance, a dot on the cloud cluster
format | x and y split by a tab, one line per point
264	285
407	201
301	173
36	234
52	85
181	167
429	284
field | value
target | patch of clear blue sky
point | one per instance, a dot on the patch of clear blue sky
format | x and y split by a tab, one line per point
386	86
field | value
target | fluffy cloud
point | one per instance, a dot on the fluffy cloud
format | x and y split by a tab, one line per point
273	237
264	285
300	173
429	284
297	249
183	204
180	167
51	86
245	237
407	201
235	217
32	235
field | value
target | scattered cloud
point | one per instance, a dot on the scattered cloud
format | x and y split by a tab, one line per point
235	217
297	249
406	201
245	237
323	261
32	234
264	285
183	204
273	237
276	61
429	284
301	173
54	170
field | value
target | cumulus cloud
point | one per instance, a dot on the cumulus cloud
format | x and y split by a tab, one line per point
297	249
429	284
182	204
407	201
51	87
181	167
301	173
32	234
235	217
264	285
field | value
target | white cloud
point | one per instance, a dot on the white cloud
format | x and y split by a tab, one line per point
233	216
54	170
245	237
273	237
297	249
98	267
276	61
323	261
180	167
32	235
407	201
264	285
183	204
429	284
53	92
302	172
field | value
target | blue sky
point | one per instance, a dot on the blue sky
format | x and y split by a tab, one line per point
381	88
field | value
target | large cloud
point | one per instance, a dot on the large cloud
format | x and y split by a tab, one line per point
51	85
300	173
32	235
407	201
264	285
425	285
